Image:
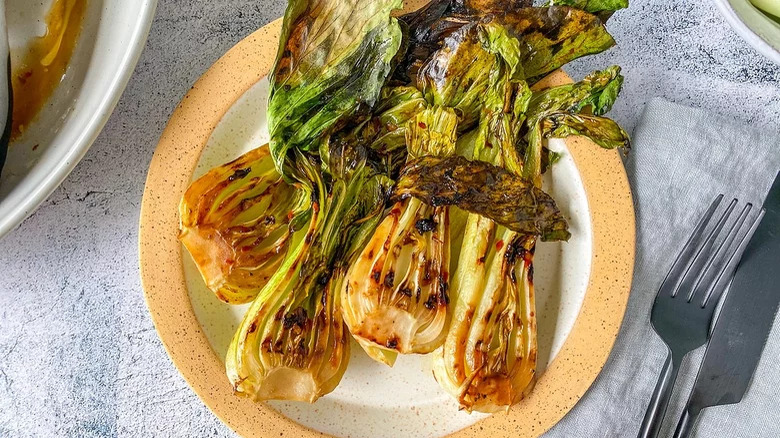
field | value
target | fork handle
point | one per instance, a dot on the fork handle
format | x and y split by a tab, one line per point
685	426
654	416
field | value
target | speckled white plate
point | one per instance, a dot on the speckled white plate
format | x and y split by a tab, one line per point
582	285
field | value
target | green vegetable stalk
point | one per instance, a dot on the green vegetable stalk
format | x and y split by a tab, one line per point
488	359
292	343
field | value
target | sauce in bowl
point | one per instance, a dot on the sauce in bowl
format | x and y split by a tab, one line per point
45	63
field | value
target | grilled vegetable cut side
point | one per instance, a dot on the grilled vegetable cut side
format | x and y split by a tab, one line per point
395	296
235	222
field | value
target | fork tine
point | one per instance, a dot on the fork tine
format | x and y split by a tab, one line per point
724	278
720	257
685	256
695	267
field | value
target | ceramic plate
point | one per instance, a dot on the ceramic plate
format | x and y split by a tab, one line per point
753	26
582	286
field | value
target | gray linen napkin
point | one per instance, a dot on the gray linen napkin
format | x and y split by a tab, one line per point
682	158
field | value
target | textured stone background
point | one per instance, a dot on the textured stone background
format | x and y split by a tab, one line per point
78	353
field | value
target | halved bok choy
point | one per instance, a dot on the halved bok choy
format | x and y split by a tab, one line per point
488	361
395	296
292	344
235	223
333	60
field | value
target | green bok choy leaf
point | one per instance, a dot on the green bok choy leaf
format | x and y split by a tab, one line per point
332	63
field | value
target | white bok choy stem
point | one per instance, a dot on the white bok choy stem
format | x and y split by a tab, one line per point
396	292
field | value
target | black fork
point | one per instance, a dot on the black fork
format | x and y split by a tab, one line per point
685	304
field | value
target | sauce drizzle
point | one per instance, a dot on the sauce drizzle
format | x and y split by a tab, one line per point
45	63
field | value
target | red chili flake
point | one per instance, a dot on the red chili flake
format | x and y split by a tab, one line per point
499	245
24	76
422	125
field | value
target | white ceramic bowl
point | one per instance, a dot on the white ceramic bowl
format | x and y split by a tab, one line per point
113	36
753	26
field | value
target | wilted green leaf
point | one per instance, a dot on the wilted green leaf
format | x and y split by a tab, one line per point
484	189
592	5
554	36
332	63
603	131
597	92
549	110
460	74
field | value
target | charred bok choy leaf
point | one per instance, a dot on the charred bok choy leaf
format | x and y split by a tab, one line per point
395	297
563	110
332	63
484	189
549	37
235	222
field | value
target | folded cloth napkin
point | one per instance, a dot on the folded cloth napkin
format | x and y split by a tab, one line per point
681	159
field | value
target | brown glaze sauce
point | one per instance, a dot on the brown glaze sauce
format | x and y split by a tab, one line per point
44	65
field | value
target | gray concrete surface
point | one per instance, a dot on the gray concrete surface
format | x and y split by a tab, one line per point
78	353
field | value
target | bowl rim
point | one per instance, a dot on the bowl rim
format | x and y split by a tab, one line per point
746	32
92	126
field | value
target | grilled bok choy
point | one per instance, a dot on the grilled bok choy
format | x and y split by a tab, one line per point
381	133
292	343
488	361
235	222
333	60
395	296
488	358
